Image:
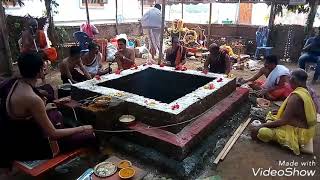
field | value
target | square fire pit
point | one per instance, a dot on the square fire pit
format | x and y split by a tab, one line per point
160	85
159	96
174	110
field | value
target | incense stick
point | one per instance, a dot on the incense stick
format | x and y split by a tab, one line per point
74	113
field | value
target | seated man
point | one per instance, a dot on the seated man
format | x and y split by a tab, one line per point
125	57
92	61
34	40
294	124
218	60
311	54
276	86
71	65
176	55
28	129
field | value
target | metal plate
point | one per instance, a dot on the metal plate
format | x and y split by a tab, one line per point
105	169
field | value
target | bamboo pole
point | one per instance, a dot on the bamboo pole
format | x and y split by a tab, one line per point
162	31
238	18
272	14
231	141
117	32
227	145
243	127
182	9
141	8
311	16
6	67
87	11
209	26
141	33
271	20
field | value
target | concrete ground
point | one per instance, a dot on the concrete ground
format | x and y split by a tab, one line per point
245	158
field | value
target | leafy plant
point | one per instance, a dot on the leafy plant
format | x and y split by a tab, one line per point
293	8
15	25
62	35
14	2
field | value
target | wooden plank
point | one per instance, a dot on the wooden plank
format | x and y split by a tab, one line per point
227	144
245	13
49	164
236	137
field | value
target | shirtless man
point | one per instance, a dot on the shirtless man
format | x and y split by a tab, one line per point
218	60
294	124
125	57
92	61
68	67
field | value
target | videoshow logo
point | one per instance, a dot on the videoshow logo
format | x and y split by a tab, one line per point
290	169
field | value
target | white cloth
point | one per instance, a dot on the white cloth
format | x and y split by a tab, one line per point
274	77
111	51
92	68
154	39
151	19
123	36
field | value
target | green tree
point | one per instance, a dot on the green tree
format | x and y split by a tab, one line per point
50	5
310	7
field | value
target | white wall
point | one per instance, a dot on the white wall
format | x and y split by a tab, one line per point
70	12
34	8
260	14
199	13
317	18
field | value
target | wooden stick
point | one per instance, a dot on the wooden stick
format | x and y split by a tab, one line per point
227	144
236	137
70	81
163	14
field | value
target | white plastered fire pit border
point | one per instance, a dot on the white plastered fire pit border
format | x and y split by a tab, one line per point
183	102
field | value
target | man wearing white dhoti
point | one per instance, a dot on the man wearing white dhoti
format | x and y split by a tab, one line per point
151	23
